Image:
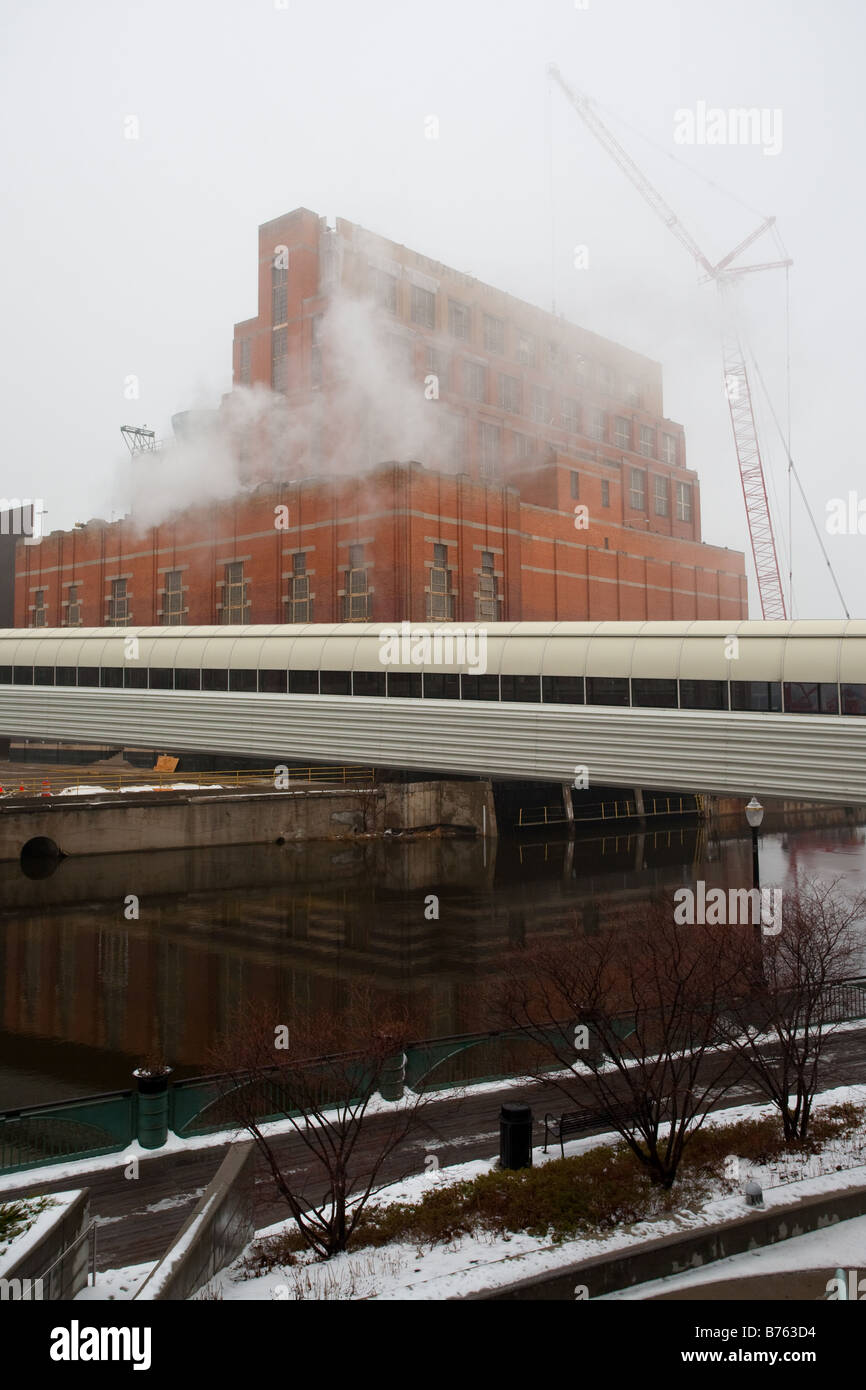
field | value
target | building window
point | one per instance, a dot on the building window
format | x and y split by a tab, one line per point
684	502
118	604
523	445
622	432
542	413
486	600
526	349
280	359
40	612
570	414
73	607
437	365
757	695
660	496
596	423
280	303
494	335
384	289
458	319
440	600
803	697
556	357
356	601
605	492
638	489
510	397
631	392
475	381
299	601
423	307
605	379
669	449
581	370
244	361
234	602
575	486
647	444
491	448
172	599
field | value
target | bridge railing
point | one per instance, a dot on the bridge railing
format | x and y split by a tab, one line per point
626	809
104	1124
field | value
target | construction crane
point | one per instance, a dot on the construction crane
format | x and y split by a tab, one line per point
737	388
139	439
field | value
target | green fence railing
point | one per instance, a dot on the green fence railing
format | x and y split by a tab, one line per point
91	1126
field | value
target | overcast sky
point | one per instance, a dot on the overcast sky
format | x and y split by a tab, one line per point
135	257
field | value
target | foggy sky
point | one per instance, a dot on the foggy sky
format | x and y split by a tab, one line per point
136	257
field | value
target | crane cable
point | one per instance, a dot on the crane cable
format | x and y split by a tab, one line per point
792	471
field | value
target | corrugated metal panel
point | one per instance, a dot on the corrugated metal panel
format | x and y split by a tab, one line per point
809	757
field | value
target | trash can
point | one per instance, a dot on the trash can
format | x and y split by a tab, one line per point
152	1107
515	1136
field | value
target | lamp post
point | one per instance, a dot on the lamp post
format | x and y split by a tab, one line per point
754	815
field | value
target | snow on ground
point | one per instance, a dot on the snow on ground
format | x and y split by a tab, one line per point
145	787
120	1284
842	1246
11	1251
487	1260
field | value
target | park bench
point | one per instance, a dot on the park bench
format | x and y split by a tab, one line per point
573	1122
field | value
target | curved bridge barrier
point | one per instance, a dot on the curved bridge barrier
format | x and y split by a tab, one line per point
213	1235
105	1124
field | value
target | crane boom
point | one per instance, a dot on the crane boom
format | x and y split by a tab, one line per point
585	109
737	387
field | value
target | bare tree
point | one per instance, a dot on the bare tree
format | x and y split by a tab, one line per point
323	1074
781	1029
626	1020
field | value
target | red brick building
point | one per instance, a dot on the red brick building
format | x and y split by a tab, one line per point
549	484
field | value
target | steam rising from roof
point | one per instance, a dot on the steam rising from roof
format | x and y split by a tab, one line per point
374	408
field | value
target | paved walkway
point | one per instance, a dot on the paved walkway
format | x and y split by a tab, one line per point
138	1218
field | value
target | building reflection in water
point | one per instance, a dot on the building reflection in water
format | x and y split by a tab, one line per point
86	993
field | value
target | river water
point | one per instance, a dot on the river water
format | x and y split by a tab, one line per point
113	958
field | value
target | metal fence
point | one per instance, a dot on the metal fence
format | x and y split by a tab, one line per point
626	809
105	1124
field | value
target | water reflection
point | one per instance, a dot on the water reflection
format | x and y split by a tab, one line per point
87	989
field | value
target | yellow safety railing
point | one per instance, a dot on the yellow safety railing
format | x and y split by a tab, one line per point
52	782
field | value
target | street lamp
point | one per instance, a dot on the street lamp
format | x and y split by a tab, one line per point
754	815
